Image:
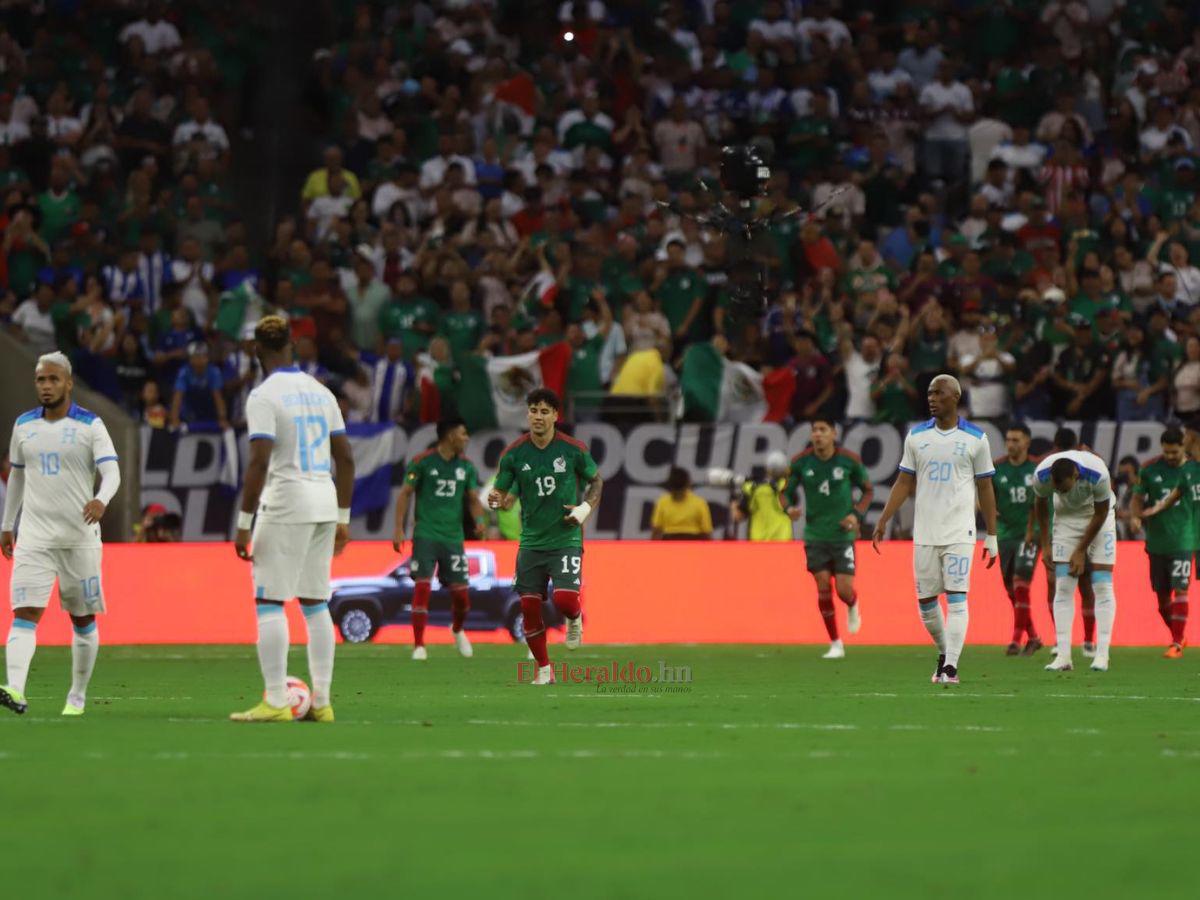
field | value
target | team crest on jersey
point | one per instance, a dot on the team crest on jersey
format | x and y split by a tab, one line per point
837	473
808	473
1028	481
560	465
68	435
960	448
460	474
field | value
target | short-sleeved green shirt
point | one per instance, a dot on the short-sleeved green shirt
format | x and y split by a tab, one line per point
1172	531
584	374
440	485
677	294
547	480
399	319
828	492
1014	497
462	330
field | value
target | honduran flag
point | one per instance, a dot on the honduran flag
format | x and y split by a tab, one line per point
716	389
511	378
376	450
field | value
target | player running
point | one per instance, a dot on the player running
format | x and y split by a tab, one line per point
829	474
549	471
56	451
439	478
1085	529
1171	485
298	450
946	463
1014	519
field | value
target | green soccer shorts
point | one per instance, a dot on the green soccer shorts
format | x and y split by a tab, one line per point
1170	571
826	557
536	567
449	559
1017	560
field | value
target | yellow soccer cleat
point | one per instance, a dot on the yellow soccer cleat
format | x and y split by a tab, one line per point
264	712
320	714
72	710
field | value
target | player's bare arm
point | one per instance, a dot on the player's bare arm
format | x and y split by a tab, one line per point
1161	506
497	499
343	479
12	505
252	488
902	489
403	501
1041	509
477	514
986	493
1095	523
591	499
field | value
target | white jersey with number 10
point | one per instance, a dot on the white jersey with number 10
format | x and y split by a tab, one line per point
300	415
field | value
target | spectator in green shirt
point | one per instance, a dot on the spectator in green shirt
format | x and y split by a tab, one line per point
681	291
462	326
367	296
584	381
410	316
894	394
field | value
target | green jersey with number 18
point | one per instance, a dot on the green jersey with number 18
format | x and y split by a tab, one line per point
440	485
1014	497
548	481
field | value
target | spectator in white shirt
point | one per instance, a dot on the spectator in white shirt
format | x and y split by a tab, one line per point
156	33
1155	137
203	129
861	368
884	78
33	321
1068	23
433	170
949	108
326	210
921	61
822	24
194	276
1019	154
773	27
986	377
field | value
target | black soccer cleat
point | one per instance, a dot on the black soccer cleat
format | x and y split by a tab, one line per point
1012	649
949	675
937	673
10	701
1032	646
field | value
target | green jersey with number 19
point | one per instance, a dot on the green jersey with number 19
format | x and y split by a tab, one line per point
548	481
440	485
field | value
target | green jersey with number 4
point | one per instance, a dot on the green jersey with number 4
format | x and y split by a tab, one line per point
1014	498
440	485
828	493
1171	531
548	481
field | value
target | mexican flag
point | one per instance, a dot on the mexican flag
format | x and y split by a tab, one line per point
716	389
491	390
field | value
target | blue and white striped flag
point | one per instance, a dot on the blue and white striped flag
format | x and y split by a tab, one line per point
377	447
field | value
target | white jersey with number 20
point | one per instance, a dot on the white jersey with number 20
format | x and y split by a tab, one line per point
945	465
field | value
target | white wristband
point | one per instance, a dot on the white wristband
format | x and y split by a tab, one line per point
245	521
581	512
343	516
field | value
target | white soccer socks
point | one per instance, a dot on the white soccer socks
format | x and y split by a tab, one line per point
956	627
22	642
1106	614
1064	611
935	622
320	650
85	646
273	651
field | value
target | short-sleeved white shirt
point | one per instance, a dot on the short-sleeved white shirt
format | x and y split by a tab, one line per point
59	460
300	416
945	465
1093	486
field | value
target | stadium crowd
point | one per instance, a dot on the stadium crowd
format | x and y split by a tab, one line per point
1005	190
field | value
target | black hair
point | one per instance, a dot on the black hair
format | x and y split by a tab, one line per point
1065	439
1062	469
828	420
445	426
543	395
1018	426
678	479
1132	460
1171	435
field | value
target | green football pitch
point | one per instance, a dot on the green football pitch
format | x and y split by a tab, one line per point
772	773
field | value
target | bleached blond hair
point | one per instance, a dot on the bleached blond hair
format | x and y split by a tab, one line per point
951	381
56	358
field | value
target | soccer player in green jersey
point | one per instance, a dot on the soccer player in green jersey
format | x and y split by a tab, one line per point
559	486
1170	484
439	479
1014	521
828	474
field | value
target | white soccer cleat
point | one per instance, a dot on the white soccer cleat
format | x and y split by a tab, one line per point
463	643
574	632
419	653
1060	664
529	654
545	675
1088	649
836	650
1100	664
853	619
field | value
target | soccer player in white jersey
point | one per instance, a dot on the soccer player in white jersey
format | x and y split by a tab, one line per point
302	471
1085	529
946	463
56	451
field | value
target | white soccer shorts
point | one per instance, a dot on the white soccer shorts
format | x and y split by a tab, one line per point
942	569
292	560
1066	534
77	570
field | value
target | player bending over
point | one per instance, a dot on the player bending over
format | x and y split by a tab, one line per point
946	463
549	471
1171	484
1085	529
1067	439
439	478
1014	526
828	474
56	451
298	447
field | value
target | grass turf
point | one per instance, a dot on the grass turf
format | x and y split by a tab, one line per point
777	772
